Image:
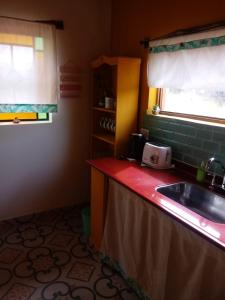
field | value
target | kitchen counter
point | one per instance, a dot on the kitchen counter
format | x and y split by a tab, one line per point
143	181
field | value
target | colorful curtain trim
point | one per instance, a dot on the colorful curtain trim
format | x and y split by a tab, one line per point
37	108
209	42
132	283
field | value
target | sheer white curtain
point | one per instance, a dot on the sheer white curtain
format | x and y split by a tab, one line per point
190	61
28	69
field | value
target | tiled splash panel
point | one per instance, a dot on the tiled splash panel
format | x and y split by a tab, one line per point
190	142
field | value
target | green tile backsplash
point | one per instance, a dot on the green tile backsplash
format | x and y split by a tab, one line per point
190	142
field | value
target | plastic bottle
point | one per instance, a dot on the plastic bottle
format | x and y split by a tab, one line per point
201	172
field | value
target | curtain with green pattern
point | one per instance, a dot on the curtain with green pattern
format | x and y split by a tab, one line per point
189	61
28	72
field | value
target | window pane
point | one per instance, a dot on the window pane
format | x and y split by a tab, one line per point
5	59
202	102
20	116
39	43
22	58
42	116
14	39
4	117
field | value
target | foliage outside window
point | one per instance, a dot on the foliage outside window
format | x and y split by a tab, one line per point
202	104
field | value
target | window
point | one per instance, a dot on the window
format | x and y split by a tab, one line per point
200	104
28	73
189	74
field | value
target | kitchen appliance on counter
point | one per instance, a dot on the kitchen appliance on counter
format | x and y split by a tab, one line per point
136	146
157	156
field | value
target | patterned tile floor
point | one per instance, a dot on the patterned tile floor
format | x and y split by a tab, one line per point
44	256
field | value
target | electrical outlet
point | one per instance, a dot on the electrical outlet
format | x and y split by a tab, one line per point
145	132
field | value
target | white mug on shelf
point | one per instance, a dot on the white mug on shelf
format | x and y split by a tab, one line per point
109	102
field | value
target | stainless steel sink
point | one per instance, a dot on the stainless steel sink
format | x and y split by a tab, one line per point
203	202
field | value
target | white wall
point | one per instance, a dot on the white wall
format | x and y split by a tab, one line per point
43	166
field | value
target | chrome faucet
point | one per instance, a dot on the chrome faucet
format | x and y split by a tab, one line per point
208	168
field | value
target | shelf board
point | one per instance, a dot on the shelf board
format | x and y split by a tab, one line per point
108	138
104	109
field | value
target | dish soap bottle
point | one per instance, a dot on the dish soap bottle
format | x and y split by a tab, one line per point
201	172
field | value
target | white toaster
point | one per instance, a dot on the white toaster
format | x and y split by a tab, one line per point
157	156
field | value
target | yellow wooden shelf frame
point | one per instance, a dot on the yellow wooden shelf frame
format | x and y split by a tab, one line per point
125	72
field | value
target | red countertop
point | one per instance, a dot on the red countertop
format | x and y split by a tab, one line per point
144	180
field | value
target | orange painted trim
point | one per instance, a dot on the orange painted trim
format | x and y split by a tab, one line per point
98	190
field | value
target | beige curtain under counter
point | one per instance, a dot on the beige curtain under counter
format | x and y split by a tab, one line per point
165	258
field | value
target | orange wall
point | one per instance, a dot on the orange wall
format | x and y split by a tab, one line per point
132	20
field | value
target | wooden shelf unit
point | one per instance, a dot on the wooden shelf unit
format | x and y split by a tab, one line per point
118	77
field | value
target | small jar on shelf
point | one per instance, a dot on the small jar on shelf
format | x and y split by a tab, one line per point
109	103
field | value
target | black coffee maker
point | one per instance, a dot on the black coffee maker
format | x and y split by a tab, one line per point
136	146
